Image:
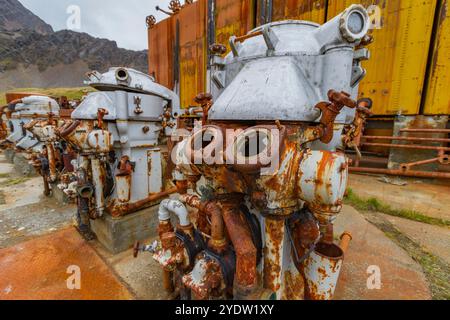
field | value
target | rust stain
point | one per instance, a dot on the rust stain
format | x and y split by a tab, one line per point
37	270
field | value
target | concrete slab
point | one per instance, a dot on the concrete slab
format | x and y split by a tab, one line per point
37	270
428	199
26	222
142	274
22	165
402	278
9	155
433	239
118	235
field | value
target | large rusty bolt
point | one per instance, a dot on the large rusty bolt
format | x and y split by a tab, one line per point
217	49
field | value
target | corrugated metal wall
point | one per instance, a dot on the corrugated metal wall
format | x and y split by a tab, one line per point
396	70
193	50
299	10
233	17
160	53
438	91
396	79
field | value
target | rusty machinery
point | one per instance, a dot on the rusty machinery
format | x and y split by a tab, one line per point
265	176
119	133
30	130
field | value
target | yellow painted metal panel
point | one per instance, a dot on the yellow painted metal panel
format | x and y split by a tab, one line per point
309	10
397	68
233	18
438	91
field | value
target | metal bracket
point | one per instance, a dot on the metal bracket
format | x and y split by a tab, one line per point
235	46
219	79
271	39
361	54
358	74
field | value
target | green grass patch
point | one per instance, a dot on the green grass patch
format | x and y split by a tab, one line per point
70	93
14	182
4	175
436	270
375	205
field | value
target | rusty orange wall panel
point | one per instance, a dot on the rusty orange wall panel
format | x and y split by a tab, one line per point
192	20
160	52
309	10
437	100
233	18
396	70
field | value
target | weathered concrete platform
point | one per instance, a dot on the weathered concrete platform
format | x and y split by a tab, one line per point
401	277
429	199
37	269
21	164
118	235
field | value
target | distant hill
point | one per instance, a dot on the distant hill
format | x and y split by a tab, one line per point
33	55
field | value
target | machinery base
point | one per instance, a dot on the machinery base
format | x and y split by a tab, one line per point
118	235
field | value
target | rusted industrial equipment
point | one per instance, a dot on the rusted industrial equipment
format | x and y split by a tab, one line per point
267	172
119	133
32	121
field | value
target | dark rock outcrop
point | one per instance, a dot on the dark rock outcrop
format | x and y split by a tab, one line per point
27	41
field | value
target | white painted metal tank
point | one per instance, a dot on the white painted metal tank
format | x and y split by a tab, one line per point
281	70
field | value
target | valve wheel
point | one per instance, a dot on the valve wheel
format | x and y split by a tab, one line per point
150	21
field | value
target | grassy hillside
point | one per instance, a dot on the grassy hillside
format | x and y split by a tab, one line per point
71	93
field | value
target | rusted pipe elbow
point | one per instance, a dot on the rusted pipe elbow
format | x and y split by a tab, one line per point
218	241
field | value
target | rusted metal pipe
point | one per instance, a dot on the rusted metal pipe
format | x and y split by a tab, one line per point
406	173
407	166
123	209
405	146
46	185
346	237
218	240
246	254
68	128
51	162
248	36
168	282
406	139
426	130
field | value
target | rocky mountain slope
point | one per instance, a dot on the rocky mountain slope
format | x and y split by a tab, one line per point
33	55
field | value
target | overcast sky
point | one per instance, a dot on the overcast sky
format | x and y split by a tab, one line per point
119	20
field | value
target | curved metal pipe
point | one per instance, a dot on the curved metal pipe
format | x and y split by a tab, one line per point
246	253
68	128
169	206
